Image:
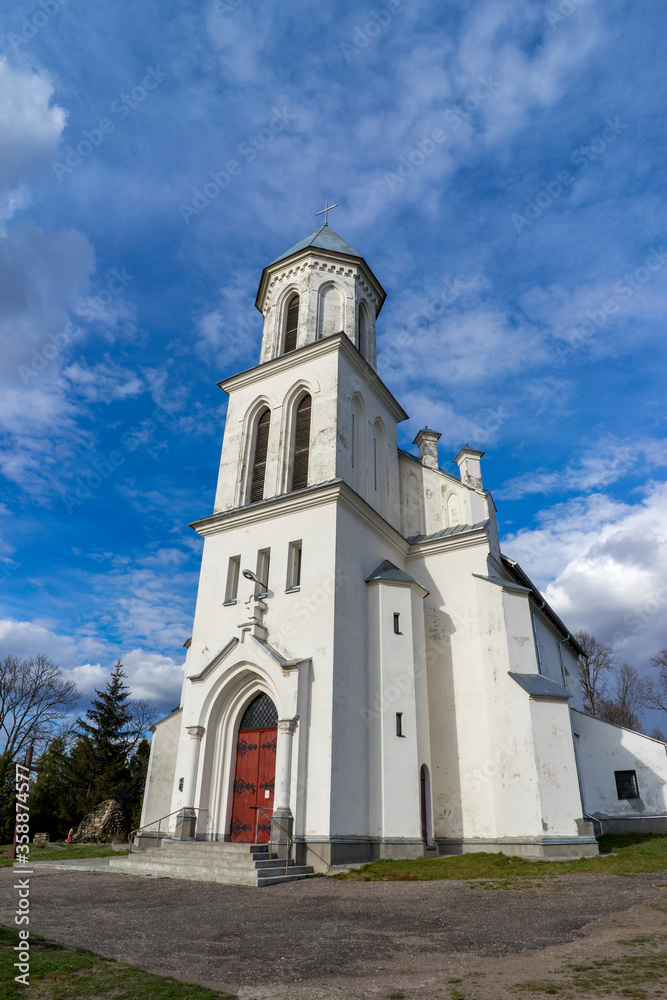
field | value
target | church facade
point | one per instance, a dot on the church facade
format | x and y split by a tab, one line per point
368	674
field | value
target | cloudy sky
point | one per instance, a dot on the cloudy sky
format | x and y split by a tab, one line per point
500	165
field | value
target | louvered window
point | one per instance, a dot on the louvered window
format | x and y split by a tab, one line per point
301	444
259	461
292	324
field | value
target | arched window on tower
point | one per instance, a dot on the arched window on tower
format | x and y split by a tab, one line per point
301	444
291	324
259	459
364	330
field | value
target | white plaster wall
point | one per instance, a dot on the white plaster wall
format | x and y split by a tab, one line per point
161	768
604	748
560	799
460	737
394	793
558	664
432	500
300	625
355	778
329	288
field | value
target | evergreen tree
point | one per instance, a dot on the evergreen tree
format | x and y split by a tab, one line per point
99	759
54	805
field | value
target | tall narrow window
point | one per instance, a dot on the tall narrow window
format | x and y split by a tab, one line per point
375	462
259	460
294	566
397	624
292	324
301	444
399	724
262	573
354	434
232	588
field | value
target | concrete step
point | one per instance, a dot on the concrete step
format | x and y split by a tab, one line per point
194	846
234	862
231	864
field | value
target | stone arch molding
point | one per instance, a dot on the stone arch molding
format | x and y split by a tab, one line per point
281	316
230	694
307	385
248	434
330	309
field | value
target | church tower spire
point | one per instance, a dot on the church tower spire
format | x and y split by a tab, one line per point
319	287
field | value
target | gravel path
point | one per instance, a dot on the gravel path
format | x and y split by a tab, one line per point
256	941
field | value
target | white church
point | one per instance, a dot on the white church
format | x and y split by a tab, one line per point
369	676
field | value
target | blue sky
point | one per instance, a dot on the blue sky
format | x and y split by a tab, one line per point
500	165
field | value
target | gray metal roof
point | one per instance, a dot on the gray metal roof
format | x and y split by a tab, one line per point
539	686
457	529
325	238
387	571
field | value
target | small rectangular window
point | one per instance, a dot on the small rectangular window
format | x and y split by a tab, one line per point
294	566
232	588
626	784
399	723
262	574
397	624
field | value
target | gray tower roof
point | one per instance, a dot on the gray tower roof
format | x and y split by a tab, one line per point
325	238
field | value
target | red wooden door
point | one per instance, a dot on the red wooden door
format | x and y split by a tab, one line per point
254	782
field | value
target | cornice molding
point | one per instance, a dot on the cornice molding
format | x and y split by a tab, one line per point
340	261
336	343
462	541
335	492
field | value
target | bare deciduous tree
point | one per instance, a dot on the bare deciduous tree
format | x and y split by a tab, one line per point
627	703
656	693
599	660
34	699
142	717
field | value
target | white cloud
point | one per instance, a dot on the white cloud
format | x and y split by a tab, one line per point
149	674
601	462
103	382
603	566
30	130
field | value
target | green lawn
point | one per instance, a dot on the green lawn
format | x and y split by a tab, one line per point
64	853
625	854
61	973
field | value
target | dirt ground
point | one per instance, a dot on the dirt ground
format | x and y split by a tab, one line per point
324	938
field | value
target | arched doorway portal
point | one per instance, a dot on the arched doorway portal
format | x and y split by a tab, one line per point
254	777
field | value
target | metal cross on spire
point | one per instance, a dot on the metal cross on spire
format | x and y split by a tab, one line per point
325	212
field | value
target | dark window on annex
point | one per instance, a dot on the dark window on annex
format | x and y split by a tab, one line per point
626	784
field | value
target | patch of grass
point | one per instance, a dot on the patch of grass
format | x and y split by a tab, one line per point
622	854
61	973
61	852
630	975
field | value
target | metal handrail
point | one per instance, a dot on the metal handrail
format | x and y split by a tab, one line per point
288	837
132	834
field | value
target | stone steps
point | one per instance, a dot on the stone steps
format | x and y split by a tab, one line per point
230	864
